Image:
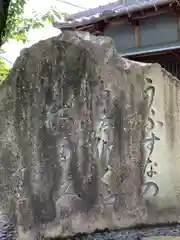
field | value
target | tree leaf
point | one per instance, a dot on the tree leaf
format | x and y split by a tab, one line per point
18	27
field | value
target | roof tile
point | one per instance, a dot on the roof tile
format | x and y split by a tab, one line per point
109	10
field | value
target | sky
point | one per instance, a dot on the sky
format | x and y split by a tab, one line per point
13	48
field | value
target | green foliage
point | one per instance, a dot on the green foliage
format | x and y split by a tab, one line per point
16	9
18	26
4	70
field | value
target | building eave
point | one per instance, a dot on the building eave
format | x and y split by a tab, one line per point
125	11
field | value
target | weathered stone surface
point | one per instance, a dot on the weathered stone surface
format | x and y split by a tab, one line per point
88	139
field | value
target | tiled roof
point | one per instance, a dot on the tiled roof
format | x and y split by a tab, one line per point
109	10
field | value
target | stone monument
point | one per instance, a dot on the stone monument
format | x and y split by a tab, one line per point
88	140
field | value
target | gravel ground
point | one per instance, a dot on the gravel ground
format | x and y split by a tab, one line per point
131	234
7	233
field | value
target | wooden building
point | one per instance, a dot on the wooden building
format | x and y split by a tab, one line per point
143	30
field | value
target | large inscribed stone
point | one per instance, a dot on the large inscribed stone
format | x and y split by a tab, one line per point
88	140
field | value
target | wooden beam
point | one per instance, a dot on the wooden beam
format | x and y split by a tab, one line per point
137	34
178	27
117	22
114	21
153	13
136	16
142	55
177	13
